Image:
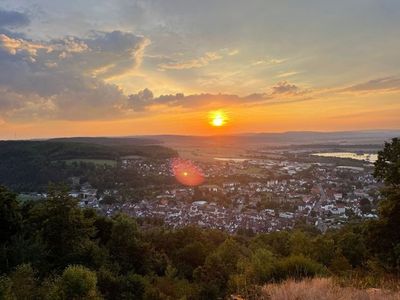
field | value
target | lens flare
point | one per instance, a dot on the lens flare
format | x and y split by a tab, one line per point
186	172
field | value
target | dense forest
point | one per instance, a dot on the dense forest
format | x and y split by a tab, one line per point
52	249
29	166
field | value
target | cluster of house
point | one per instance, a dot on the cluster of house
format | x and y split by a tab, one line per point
147	167
326	196
209	215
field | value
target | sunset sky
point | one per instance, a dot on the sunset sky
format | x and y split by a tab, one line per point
126	67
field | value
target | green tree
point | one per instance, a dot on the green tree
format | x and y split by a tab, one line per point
109	283
133	287
300	243
62	227
214	275
263	264
10	226
6	288
78	282
126	247
323	249
278	242
190	257
16	246
10	217
24	283
339	264
352	247
297	267
387	167
383	235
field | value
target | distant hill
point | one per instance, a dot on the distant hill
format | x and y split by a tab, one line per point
285	138
31	165
333	137
110	141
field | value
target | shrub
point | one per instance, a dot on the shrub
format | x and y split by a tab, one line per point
297	267
78	282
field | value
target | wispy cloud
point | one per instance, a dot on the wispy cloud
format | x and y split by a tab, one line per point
287	74
198	62
390	83
270	61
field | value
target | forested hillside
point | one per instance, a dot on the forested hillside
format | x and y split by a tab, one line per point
31	165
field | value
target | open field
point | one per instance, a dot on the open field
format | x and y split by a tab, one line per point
199	153
252	171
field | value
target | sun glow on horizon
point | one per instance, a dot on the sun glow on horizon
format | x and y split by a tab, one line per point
218	118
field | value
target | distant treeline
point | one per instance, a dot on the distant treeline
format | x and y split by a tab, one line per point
112	141
32	165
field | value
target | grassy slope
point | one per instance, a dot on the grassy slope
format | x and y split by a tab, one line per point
323	288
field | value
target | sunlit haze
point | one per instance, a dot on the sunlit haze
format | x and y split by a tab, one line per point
218	118
118	68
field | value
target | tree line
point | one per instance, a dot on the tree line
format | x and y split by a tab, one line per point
29	166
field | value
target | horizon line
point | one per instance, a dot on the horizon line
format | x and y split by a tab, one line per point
213	135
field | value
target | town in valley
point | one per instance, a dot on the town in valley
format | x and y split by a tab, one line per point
263	190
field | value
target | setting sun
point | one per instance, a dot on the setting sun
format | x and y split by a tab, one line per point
218	118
